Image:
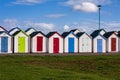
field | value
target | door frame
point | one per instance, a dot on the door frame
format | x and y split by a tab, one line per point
21	49
99	45
56	43
4	44
71	46
39	42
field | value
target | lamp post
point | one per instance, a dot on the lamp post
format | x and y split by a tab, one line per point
99	7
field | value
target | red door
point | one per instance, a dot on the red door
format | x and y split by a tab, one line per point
113	44
39	43
56	45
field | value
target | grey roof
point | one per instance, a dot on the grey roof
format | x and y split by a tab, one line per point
13	29
35	33
52	33
3	28
29	29
4	32
80	34
16	33
65	34
108	34
73	30
96	33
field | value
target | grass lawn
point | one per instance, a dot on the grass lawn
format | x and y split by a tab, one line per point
76	67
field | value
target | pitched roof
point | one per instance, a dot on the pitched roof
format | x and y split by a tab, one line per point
52	33
65	34
30	28
13	29
80	34
118	35
35	33
3	28
118	32
15	33
96	33
18	32
4	32
108	34
73	30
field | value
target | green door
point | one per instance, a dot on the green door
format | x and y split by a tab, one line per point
21	44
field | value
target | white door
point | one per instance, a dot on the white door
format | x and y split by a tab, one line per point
85	44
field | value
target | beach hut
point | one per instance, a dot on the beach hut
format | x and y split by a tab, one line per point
112	41
13	30
85	42
99	43
38	42
30	30
70	42
21	42
54	42
118	41
2	29
99	31
75	31
5	42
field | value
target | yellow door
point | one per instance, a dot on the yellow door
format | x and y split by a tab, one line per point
21	44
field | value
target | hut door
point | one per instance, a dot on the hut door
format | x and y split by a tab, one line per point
71	45
113	44
4	44
85	46
99	45
39	43
21	44
56	45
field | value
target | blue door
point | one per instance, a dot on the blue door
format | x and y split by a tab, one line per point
4	44
71	45
99	45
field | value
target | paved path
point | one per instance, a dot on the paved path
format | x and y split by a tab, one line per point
63	54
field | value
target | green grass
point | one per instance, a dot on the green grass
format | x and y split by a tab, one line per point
80	67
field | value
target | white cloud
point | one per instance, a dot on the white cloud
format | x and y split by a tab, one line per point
86	5
9	23
66	27
97	2
89	26
84	25
55	15
45	25
39	25
27	2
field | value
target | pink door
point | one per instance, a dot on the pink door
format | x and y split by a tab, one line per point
39	43
56	45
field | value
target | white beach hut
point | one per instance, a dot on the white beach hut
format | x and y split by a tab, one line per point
70	42
5	42
112	41
21	42
99	42
38	42
54	43
85	42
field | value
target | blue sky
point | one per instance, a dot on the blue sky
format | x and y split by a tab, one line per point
59	15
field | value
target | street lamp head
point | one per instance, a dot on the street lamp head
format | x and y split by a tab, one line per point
99	6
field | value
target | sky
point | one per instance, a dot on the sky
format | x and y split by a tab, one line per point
60	15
